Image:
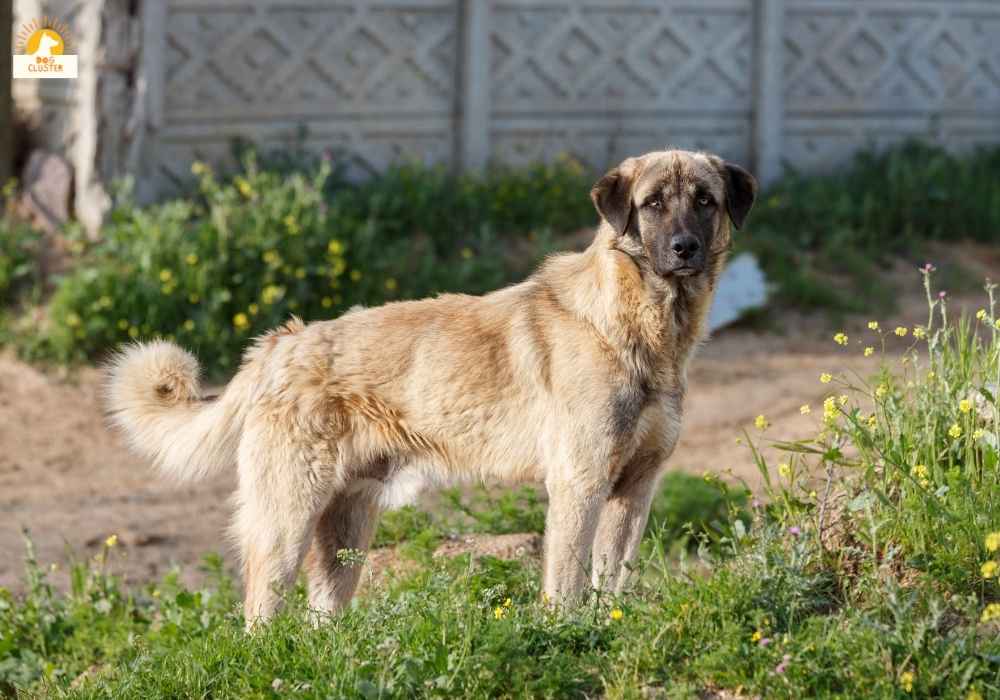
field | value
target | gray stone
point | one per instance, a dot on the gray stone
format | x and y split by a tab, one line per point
48	184
742	287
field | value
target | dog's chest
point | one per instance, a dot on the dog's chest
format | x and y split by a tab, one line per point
635	408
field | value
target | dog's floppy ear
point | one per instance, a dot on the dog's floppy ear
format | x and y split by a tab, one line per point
741	191
612	195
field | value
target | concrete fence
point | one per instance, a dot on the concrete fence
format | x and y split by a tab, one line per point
768	83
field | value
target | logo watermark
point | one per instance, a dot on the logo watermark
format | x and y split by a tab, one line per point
42	51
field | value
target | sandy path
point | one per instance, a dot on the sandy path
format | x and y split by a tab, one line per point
68	479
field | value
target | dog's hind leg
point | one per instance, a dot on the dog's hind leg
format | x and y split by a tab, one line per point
281	495
343	534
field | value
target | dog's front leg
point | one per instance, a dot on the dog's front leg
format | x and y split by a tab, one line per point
570	523
623	521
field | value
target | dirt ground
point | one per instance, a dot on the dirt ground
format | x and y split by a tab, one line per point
70	482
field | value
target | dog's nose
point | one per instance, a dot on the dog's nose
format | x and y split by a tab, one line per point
684	245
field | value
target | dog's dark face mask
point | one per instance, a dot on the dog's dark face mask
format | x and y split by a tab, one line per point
668	209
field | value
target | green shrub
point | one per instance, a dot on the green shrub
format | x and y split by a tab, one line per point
262	246
20	247
806	229
912	455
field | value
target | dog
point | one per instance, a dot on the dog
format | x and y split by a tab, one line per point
574	378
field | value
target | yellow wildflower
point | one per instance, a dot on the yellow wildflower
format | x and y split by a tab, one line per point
166	275
271	294
253	309
616	614
919	332
761	422
191	259
198	168
872	420
869	351
804	409
906	681
901	331
881	390
955	431
812	495
825	378
507	603
189	325
919	471
327	302
996	324
981	314
977	434
499	613
991	612
830	409
873	325
133	332
241	321
72	320
245	188
964	405
842	399
111	541
292	225
356	275
391	284
467	253
989	569
123	325
973	694
785	470
993	541
756	636
931	375
335	247
840	338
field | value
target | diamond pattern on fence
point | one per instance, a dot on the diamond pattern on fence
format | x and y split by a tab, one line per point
872	73
603	80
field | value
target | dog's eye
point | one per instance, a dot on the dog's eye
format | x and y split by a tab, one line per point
704	200
654	203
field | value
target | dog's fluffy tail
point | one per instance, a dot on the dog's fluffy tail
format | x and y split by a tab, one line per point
153	395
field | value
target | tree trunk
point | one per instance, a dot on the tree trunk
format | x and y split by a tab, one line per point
6	101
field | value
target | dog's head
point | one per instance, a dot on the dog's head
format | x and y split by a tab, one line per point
669	208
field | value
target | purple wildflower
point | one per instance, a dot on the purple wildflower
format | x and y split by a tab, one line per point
783	666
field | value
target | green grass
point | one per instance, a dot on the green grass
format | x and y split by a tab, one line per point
863	567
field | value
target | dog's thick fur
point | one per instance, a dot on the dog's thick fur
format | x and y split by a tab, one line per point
575	378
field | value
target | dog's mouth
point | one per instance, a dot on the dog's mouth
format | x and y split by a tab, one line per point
683	271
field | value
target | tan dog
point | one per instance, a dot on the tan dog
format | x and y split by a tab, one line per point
574	377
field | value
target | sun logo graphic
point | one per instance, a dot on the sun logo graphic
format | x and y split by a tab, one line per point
43	51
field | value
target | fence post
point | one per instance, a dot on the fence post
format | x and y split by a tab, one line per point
474	86
769	89
147	117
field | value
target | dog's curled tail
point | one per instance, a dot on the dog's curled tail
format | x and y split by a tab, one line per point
153	394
